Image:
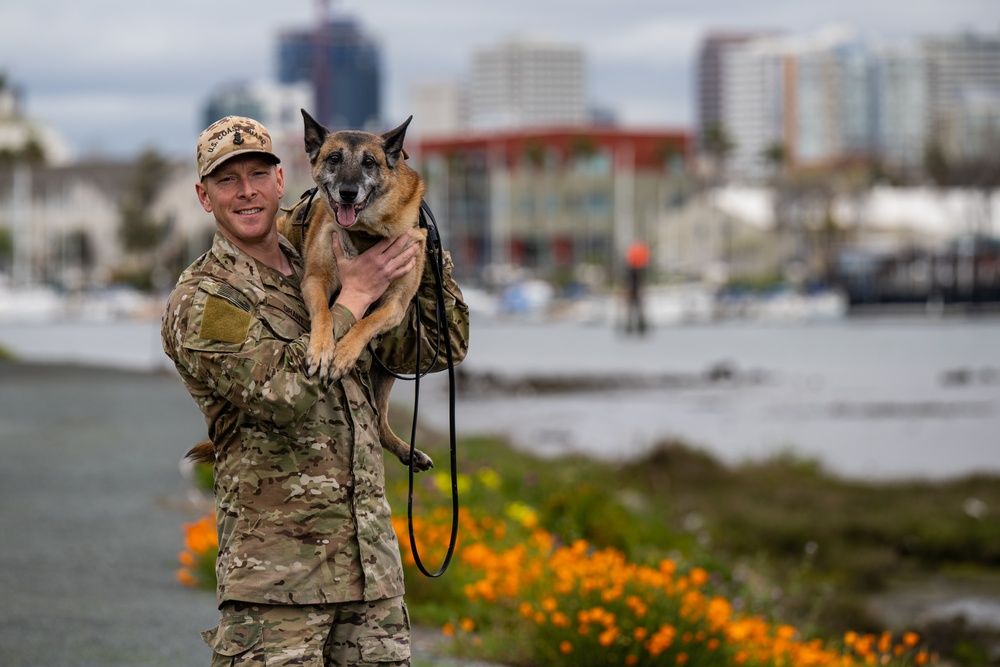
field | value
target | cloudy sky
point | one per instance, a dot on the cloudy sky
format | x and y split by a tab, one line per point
116	76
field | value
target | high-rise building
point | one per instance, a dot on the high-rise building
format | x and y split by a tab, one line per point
832	96
524	83
342	64
829	96
964	85
439	108
709	78
753	112
902	114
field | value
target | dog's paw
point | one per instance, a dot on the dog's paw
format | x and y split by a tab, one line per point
421	461
342	362
320	356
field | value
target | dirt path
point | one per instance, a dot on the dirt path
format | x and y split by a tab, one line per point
91	508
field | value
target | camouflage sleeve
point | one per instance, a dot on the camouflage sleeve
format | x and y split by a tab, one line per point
397	348
254	359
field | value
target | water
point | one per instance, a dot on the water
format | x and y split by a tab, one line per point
868	399
865	398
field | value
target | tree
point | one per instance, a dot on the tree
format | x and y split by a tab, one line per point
718	145
6	248
140	231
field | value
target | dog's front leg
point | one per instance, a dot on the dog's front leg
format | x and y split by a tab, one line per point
322	345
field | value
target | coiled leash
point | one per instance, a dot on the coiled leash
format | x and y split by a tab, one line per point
436	258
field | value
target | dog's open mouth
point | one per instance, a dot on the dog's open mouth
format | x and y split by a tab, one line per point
347	214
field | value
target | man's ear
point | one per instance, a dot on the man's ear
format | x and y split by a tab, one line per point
280	175
203	199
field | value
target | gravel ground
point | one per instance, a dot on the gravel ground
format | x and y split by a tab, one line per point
91	507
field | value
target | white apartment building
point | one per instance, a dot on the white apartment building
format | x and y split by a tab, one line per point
964	84
438	107
809	94
902	111
752	101
833	95
527	83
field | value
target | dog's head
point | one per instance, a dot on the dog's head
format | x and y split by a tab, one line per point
356	172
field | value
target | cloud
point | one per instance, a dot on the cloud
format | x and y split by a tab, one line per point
661	40
91	69
116	123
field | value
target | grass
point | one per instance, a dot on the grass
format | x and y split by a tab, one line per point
780	541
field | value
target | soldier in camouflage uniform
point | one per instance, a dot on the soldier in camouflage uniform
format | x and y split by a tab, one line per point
309	571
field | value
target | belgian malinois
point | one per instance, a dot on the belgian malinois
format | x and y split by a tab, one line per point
369	193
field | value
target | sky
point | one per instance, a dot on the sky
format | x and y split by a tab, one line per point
114	77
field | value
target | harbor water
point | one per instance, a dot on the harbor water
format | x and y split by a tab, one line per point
866	398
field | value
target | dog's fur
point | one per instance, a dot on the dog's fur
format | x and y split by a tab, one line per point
369	193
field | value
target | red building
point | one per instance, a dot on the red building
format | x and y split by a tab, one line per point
549	200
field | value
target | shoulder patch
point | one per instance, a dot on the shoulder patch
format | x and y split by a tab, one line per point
224	321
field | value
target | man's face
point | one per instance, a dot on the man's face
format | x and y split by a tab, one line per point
244	194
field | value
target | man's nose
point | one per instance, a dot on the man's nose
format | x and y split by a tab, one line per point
246	188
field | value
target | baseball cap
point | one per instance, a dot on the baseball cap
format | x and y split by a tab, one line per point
231	136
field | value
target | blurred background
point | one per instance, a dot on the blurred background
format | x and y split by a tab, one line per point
763	230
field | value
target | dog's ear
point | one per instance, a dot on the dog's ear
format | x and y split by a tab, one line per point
392	143
315	134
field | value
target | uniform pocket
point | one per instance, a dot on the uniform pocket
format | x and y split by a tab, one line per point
383	649
233	638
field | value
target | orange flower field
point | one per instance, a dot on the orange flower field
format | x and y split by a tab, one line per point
516	594
577	605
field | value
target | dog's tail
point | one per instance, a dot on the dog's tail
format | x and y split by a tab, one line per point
203	452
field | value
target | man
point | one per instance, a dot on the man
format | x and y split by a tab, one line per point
308	570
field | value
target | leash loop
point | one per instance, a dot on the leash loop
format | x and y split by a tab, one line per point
436	258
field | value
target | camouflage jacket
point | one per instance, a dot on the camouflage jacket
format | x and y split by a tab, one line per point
299	482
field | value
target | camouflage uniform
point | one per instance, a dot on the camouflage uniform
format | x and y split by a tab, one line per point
299	482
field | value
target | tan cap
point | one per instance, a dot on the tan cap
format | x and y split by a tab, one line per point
231	136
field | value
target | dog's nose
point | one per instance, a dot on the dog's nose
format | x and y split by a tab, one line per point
348	193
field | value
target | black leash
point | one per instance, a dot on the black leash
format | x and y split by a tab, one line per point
436	258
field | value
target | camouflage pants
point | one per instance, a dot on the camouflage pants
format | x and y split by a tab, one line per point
349	634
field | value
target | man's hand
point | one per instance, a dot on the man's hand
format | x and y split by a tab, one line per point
366	277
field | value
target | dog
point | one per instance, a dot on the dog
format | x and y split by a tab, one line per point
368	193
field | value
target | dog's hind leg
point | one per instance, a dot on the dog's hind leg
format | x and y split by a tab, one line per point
382	385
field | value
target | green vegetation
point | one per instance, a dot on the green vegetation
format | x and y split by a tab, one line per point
777	548
793	543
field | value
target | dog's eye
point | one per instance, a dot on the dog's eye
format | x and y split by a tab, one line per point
368	162
333	159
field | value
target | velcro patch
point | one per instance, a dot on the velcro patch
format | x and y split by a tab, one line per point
224	322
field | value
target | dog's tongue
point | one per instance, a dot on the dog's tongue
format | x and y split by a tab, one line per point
346	215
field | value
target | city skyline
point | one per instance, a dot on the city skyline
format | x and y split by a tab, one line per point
141	80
